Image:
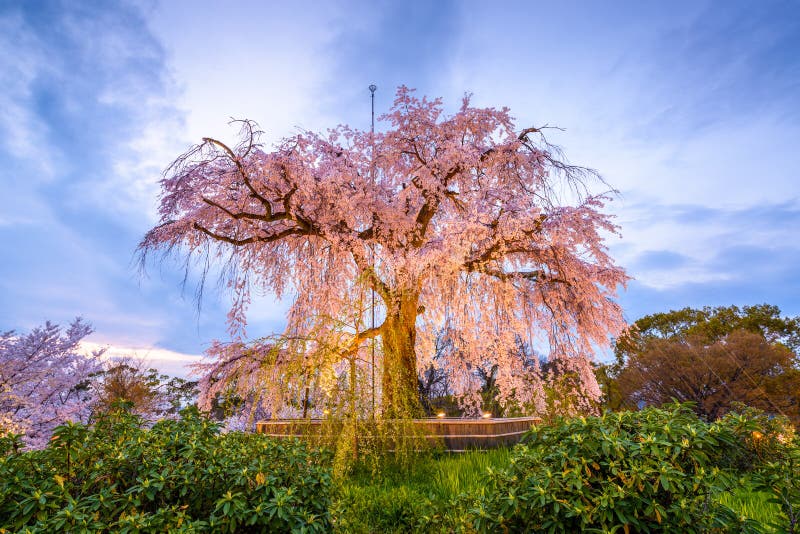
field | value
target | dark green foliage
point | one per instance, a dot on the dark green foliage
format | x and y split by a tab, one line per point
375	509
767	451
180	476
781	478
761	438
649	471
772	453
658	470
712	324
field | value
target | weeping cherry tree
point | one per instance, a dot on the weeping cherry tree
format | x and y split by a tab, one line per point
459	224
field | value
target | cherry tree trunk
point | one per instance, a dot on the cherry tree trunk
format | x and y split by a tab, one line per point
399	333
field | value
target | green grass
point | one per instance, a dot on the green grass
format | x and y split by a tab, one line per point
422	498
753	505
461	473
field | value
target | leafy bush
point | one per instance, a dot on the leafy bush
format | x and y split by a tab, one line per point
769	449
658	470
780	476
179	476
760	438
648	471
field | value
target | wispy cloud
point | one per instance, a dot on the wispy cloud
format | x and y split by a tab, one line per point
728	256
87	123
690	111
270	62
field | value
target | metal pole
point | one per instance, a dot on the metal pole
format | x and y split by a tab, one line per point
372	89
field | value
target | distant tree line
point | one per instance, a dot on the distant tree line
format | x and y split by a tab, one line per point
715	357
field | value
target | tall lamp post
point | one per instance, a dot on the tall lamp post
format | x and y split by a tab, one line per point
372	89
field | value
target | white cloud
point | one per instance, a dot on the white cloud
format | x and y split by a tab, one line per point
166	361
23	133
148	97
664	279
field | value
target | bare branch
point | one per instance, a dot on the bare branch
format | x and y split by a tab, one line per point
248	240
240	167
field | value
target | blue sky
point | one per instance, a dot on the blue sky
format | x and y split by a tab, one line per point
690	109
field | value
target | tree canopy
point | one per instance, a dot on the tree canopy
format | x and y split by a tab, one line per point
150	394
47	379
712	324
458	223
714	357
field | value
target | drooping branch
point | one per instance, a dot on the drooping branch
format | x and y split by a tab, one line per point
506	276
523	134
431	206
502	246
244	214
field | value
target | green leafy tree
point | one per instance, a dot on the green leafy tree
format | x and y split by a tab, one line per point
713	357
710	324
149	393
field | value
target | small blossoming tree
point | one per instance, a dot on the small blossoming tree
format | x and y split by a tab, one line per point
459	224
45	380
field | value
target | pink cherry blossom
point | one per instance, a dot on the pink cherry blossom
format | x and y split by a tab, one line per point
45	380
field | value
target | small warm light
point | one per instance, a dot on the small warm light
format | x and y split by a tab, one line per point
440	414
326	411
757	435
486	415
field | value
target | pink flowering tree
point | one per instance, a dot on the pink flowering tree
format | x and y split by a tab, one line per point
45	380
460	224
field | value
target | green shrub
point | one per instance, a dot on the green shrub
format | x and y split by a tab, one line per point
179	476
768	448
648	471
760	438
781	478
